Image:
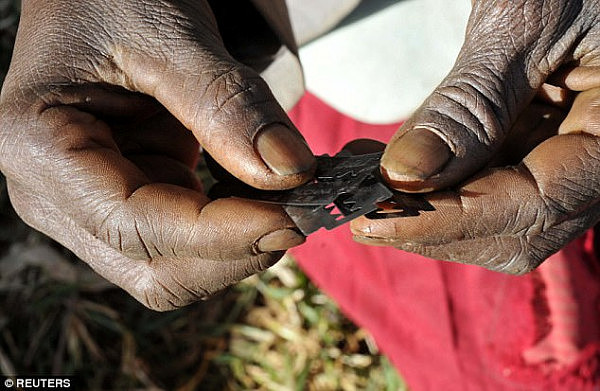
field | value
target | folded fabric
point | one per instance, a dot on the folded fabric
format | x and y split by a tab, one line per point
455	327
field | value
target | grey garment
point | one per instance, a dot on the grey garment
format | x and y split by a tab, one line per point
293	23
259	34
312	18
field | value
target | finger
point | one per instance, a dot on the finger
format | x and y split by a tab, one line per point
507	219
228	106
584	116
171	51
163	284
538	122
509	51
578	78
556	96
85	175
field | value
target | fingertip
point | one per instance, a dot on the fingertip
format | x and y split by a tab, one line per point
583	116
370	232
284	150
411	160
366	228
369	241
280	240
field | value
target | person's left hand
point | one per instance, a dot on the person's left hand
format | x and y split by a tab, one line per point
537	161
102	114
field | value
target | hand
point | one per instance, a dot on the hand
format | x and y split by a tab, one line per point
102	114
510	135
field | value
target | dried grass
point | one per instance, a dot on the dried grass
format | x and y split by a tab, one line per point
295	338
275	331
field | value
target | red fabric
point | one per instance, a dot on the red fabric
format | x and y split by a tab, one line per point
456	327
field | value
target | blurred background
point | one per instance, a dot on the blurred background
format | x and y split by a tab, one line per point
275	331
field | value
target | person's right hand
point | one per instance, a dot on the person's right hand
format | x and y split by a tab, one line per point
101	117
509	140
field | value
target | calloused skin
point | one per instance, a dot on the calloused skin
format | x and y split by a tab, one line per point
102	115
507	145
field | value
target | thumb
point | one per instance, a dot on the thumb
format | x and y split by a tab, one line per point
509	51
227	105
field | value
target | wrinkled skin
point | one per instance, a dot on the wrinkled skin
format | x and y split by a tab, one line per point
510	139
101	117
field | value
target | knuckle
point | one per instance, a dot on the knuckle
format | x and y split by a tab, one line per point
558	201
518	263
528	252
127	234
26	206
15	129
168	294
472	97
231	88
569	196
504	254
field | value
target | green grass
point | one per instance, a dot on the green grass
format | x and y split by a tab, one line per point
275	331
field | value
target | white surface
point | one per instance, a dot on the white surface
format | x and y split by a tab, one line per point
381	68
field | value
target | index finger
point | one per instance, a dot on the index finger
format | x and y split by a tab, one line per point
82	172
507	219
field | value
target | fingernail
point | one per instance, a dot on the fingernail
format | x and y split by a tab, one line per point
415	157
372	241
280	240
283	150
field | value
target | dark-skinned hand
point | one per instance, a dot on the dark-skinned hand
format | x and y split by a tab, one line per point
102	114
509	140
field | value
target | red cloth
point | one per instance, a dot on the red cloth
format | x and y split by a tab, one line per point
454	327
